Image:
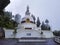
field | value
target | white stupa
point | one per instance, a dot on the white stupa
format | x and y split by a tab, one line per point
27	28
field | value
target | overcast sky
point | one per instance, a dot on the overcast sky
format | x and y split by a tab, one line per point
44	9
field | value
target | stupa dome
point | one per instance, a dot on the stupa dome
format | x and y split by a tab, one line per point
27	18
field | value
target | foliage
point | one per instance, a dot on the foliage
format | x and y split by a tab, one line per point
46	21
33	17
38	22
45	26
6	21
56	33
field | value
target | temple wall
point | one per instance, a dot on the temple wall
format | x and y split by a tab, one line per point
26	33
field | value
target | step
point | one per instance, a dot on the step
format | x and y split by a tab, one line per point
31	40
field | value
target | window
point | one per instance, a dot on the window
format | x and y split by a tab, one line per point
28	28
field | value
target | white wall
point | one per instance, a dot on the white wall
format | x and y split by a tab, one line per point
23	33
8	33
31	25
48	34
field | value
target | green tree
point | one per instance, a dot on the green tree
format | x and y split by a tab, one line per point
46	21
33	17
43	26
56	33
38	22
47	25
6	21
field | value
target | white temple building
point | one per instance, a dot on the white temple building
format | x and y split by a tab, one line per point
28	29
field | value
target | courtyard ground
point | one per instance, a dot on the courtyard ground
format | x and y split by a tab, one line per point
15	42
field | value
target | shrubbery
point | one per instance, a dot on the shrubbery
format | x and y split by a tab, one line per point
6	21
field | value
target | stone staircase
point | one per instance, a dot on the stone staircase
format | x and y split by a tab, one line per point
32	39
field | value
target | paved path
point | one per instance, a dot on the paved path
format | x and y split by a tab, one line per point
8	42
15	42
